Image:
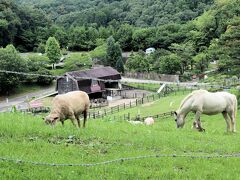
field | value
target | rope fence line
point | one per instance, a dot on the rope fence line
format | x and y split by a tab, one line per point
203	85
55	77
121	160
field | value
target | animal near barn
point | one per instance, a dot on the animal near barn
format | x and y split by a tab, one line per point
88	81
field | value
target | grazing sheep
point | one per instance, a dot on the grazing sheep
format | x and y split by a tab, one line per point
69	106
149	121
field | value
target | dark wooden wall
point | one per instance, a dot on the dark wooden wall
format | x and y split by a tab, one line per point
64	86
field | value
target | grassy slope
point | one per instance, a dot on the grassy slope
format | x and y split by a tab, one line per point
25	137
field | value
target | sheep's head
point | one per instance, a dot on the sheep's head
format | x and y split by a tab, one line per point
51	119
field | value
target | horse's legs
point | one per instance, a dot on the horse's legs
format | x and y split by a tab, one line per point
225	115
197	120
199	125
233	121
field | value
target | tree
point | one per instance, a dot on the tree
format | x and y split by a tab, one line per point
41	48
114	52
169	64
201	62
185	51
138	62
99	53
120	65
34	63
53	50
143	38
78	61
10	61
44	80
124	36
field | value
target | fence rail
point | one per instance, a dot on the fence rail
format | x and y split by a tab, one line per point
101	112
138	117
109	111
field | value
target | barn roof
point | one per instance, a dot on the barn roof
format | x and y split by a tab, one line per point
100	72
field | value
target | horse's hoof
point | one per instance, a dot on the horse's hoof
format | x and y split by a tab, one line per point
201	130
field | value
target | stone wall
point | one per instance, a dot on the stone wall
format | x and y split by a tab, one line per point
153	76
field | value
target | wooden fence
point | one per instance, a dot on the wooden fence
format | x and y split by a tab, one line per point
124	106
129	117
100	112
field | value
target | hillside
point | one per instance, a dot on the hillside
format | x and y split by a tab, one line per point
138	13
187	35
29	149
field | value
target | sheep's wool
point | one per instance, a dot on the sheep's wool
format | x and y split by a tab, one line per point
149	121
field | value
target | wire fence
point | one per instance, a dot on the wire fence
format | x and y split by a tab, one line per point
124	159
178	87
199	85
100	112
109	111
55	77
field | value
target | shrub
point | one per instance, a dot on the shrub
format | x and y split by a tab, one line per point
41	48
64	51
237	93
99	53
215	89
34	64
41	80
185	77
77	61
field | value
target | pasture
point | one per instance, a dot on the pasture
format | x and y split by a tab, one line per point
26	137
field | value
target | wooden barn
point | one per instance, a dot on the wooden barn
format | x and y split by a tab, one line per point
85	80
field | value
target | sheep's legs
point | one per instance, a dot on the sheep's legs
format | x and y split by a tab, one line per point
78	121
74	120
85	118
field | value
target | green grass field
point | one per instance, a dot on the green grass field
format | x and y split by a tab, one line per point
26	137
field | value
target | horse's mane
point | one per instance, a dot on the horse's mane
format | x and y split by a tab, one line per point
190	95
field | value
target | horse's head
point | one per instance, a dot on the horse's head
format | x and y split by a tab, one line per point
179	119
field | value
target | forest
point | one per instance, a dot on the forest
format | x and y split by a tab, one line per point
187	34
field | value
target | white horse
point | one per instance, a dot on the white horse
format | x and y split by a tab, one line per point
204	102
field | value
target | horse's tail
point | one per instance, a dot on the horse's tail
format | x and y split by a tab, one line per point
235	107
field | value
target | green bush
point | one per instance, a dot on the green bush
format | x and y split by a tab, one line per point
185	77
41	48
41	80
77	61
64	51
215	89
34	64
236	91
99	52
